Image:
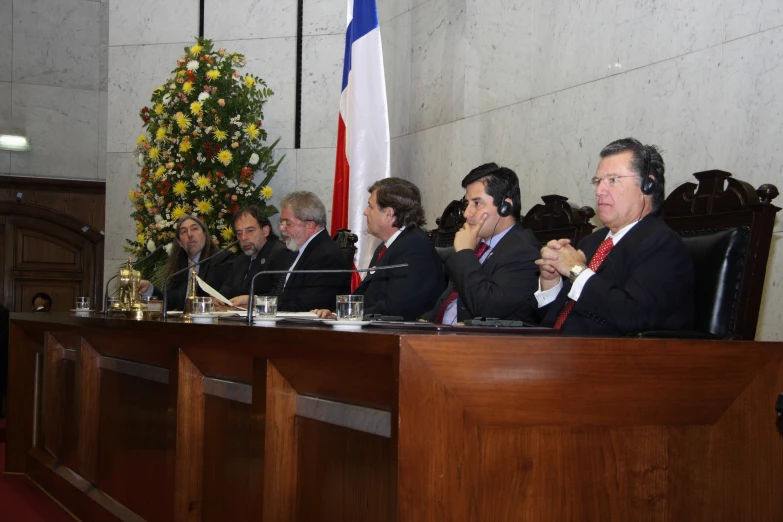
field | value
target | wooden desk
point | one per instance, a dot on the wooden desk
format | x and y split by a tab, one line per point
172	421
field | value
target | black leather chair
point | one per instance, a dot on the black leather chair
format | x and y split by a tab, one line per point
726	226
448	224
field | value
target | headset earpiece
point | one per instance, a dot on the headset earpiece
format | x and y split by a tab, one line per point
648	185
504	209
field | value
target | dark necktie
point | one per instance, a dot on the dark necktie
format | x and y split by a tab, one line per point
249	266
480	250
281	282
598	258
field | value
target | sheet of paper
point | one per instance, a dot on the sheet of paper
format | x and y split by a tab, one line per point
214	293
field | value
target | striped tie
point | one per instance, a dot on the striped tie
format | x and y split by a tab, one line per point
281	282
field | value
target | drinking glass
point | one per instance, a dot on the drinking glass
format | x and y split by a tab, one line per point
350	307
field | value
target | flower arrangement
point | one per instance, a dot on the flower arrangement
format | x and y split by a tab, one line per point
201	149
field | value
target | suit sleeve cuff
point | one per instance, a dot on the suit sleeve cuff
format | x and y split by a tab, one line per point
544	297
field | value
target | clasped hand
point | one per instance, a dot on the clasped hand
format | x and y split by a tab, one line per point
557	259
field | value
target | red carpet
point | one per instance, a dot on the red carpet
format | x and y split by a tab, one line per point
21	500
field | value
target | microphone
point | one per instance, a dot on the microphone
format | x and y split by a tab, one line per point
165	281
250	296
112	278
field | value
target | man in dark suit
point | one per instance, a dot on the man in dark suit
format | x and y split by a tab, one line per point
263	251
492	272
302	222
193	244
632	276
394	215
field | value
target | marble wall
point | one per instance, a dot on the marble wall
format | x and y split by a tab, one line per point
541	86
535	85
53	70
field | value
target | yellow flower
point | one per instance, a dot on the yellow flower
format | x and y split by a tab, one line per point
132	196
202	182
227	234
180	188
182	121
148	204
141	140
140	238
139	227
249	81
185	146
204	207
159	89
266	192
224	157
187	87
180	73
159	172
195	108
195	50
252	131
160	134
220	135
213	74
178	212
154	153
158	108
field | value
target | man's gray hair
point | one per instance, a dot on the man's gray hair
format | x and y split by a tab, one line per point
306	206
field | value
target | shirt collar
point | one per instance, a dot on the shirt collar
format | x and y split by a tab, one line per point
394	236
620	233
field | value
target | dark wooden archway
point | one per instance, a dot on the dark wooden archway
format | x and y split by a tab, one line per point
48	251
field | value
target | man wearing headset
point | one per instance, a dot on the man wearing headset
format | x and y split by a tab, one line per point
634	275
492	272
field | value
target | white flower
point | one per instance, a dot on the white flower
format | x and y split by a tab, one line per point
166	98
151	245
141	159
158	218
253	159
192	65
231	183
172	86
167	248
203	96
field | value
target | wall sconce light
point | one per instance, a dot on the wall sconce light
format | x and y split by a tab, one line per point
14	142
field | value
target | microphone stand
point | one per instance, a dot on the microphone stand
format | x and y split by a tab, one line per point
251	297
115	276
166	281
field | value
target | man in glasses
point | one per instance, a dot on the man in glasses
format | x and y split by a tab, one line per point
635	274
302	222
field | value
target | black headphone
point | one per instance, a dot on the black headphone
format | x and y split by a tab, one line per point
504	209
648	184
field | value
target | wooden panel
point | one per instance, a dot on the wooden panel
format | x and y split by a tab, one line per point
59	420
137	445
534	381
438	452
21	398
343	475
38	251
88	387
189	466
274	397
232	483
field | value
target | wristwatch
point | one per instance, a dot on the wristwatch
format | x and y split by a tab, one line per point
575	271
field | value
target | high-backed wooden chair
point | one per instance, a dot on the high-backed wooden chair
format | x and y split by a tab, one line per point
448	224
346	240
558	219
726	225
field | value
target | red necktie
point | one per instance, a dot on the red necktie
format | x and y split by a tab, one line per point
380	253
595	262
480	250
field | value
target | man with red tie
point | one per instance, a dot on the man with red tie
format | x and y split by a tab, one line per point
635	275
492	272
395	216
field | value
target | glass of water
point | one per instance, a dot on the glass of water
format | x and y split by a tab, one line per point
265	306
350	307
202	305
82	303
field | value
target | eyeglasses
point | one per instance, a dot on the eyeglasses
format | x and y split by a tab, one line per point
287	223
610	180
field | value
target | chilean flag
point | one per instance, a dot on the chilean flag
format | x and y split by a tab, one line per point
363	128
